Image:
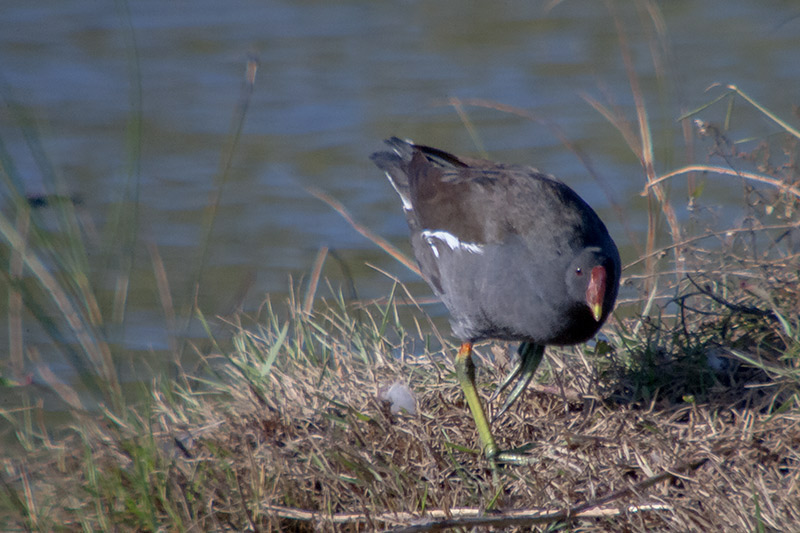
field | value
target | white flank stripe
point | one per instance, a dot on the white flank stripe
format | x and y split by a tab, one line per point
450	240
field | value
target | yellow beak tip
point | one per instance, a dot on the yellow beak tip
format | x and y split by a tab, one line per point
597	312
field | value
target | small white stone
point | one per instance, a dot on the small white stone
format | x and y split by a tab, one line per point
400	396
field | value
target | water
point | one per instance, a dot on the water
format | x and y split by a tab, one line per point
333	80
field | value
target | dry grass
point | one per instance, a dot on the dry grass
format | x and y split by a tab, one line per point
327	454
291	435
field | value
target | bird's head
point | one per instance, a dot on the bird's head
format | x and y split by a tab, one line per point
589	280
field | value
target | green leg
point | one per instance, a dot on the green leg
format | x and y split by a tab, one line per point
465	371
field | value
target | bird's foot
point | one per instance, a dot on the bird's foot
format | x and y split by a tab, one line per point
514	456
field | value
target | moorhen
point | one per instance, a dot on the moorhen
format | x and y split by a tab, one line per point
514	254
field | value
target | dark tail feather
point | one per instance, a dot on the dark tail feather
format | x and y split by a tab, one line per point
396	163
395	168
405	149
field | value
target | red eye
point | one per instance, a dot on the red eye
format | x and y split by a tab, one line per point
578	271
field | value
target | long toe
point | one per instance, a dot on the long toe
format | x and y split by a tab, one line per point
530	355
507	381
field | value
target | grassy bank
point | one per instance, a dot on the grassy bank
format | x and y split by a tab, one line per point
687	422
